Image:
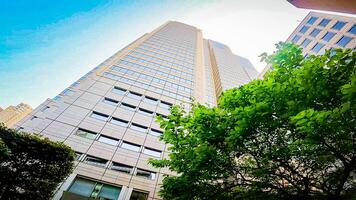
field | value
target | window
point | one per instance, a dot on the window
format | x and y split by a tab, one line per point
317	47
353	29
68	92
44	108
119	122
152	152
296	38
94	190
165	105
163	116
304	29
145	112
339	25
118	90
86	134
108	140
110	101
324	22
99	116
344	41
134	95
156	132
327	37
139	127
95	161
312	20
146	174
121	168
315	32
128	106
78	155
131	146
136	195
305	43
150	100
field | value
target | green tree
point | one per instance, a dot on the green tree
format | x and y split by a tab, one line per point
31	167
289	136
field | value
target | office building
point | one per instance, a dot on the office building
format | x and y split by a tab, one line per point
108	115
320	31
13	114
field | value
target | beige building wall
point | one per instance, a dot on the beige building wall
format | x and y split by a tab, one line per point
13	114
320	31
108	116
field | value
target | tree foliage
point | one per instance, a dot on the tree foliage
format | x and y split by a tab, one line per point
31	167
289	136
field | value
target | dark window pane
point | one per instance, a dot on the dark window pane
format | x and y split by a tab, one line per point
295	38
108	140
118	90
122	168
108	192
85	134
95	161
136	195
99	116
305	42
315	32
82	187
317	47
324	22
339	25
130	146
110	101
119	122
344	41
312	20
327	37
353	29
304	29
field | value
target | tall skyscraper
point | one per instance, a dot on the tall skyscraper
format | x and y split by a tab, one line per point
108	116
13	114
345	6
320	31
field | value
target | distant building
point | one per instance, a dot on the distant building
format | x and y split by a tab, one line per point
108	116
345	6
320	31
13	114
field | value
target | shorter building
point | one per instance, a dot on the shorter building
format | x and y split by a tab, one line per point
12	114
320	31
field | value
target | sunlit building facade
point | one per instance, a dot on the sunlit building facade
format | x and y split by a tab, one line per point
108	116
320	31
13	114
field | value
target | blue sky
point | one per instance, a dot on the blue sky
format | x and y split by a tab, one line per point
47	45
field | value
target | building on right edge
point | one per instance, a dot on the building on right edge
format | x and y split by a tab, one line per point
320	31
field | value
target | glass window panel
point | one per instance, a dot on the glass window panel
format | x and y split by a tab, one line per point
134	95
152	152
82	187
110	101
99	116
304	29
85	134
109	192
156	132
344	41
305	43
145	112
146	174
119	122
136	195
317	47
150	100
78	155
122	168
119	91
138	127
328	36
166	105
130	146
353	29
312	20
128	106
324	22
95	161
315	32
108	140
339	25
